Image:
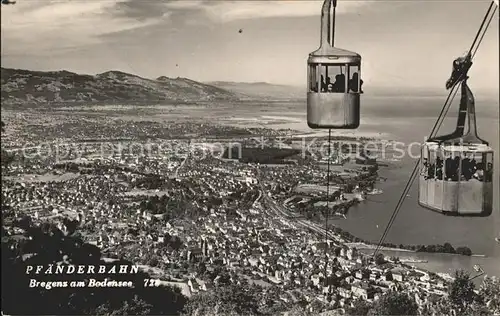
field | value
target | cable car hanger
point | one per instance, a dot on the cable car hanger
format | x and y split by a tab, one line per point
461	66
466	108
327	50
334	80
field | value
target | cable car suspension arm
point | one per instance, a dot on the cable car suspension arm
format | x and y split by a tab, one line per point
472	52
328	23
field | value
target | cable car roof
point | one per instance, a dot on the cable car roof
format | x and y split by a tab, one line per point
457	148
328	54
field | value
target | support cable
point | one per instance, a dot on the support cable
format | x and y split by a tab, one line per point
327	204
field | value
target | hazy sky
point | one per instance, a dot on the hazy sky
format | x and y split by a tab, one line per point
402	43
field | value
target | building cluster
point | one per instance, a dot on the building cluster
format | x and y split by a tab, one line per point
277	253
184	218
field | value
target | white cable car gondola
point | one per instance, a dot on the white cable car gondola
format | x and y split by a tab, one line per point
456	169
334	80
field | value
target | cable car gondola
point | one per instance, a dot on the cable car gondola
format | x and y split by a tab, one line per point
461	185
457	169
334	80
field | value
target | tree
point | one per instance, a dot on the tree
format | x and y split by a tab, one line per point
71	225
463	301
24	222
464	251
395	303
388	276
136	306
489	292
153	261
461	291
46	245
229	299
201	268
361	308
298	310
436	306
448	248
317	306
379	259
5	158
349	188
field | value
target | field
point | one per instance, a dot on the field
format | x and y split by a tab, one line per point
314	188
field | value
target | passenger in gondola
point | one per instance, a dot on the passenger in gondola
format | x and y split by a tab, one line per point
431	170
472	167
425	169
353	83
448	168
465	172
455	169
335	84
339	85
342	83
439	172
479	174
329	84
323	84
439	168
488	174
315	87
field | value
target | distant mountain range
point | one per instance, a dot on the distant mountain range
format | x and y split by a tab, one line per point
45	87
261	90
40	87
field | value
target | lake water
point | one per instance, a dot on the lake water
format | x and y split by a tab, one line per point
406	119
410	119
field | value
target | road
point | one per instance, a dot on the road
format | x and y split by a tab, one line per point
273	209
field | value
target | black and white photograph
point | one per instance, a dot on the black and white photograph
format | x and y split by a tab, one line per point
250	157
